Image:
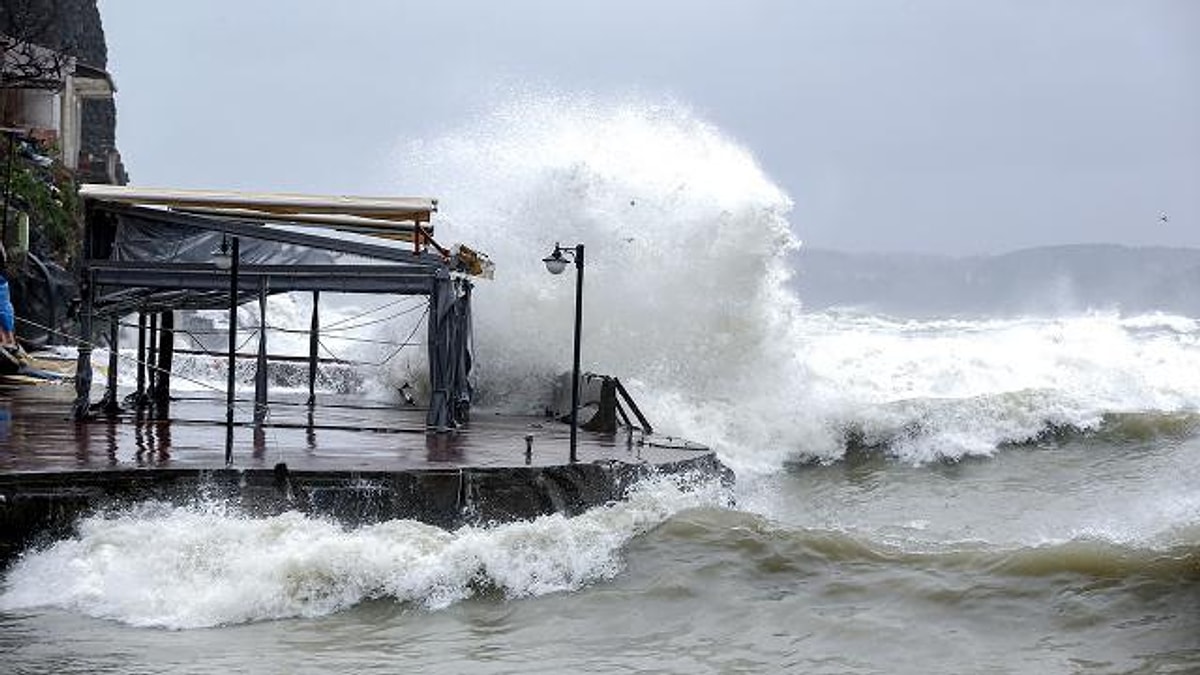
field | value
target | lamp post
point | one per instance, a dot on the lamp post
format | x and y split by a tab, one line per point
226	258
556	262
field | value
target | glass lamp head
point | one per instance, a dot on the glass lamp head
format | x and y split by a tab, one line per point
555	262
223	257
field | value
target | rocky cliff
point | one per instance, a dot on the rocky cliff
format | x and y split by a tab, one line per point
69	26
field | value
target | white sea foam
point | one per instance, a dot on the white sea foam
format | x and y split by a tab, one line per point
685	294
944	389
186	567
686	300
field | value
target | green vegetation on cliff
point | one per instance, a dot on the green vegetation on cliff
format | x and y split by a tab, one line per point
50	196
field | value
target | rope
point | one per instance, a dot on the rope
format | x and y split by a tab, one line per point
81	342
293	331
364	324
371	311
200	344
253	332
280	329
390	343
399	346
408	339
407	342
191	335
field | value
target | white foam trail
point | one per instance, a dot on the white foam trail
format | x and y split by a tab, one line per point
945	389
187	567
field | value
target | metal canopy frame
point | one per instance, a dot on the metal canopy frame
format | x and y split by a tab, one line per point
114	283
243	225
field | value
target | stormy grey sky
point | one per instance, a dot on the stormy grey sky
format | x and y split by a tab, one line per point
919	125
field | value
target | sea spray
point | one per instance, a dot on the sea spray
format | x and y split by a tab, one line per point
685	296
937	389
687	300
170	566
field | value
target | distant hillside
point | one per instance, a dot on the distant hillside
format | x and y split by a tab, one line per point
1040	281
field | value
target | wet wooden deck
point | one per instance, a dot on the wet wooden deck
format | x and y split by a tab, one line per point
38	435
350	460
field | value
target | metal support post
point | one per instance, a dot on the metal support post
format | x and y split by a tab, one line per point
260	365
152	353
166	360
111	405
140	396
575	361
83	364
233	305
314	333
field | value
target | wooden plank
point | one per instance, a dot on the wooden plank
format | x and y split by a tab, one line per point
401	231
417	209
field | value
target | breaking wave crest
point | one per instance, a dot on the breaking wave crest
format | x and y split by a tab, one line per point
775	548
177	567
925	430
186	567
686	239
939	390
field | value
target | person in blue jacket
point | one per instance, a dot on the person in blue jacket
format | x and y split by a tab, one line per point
7	316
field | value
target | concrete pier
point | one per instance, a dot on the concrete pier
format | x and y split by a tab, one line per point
357	462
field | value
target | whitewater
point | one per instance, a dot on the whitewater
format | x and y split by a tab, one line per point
915	494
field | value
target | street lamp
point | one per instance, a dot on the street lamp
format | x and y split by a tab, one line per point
227	258
222	257
556	262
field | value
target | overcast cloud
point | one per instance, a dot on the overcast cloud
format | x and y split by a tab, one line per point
926	125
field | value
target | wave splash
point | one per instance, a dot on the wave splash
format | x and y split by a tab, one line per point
688	299
772	547
188	567
939	389
686	295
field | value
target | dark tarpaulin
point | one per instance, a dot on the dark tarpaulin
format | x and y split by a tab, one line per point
145	240
464	346
449	348
152	259
41	295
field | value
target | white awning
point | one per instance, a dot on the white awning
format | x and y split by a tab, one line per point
401	209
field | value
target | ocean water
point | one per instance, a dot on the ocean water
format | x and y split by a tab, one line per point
983	493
